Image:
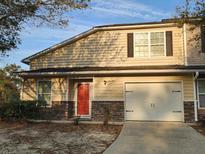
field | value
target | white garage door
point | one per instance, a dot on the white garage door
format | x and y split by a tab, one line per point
153	101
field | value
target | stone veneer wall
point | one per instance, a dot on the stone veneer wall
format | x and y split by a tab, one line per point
189	111
60	110
116	109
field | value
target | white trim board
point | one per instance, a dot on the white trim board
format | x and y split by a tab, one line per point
37	83
200	79
90	98
149	43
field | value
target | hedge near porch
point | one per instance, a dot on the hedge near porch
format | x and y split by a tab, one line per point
21	110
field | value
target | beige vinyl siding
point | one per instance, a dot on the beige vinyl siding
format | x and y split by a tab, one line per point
28	90
105	88
194	54
108	48
72	90
58	90
112	88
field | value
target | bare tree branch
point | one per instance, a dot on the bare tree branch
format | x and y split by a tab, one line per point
15	13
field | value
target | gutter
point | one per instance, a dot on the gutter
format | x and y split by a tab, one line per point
196	75
126	72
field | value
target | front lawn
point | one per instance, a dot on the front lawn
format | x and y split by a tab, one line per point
47	138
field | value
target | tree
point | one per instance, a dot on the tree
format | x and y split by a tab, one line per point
193	11
10	83
10	72
15	13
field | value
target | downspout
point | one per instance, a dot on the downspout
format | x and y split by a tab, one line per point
195	96
185	45
67	96
21	90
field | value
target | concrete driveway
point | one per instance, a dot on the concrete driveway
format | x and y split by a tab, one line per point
157	138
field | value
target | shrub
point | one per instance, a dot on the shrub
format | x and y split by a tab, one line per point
76	120
18	110
31	109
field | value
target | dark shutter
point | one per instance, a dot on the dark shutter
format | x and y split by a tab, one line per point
169	43
130	52
203	39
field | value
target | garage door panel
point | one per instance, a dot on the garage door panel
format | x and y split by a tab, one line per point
136	105
153	101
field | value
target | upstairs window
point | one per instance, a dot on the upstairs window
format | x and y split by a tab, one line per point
44	91
149	44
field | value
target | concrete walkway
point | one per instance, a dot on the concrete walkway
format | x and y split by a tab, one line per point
157	138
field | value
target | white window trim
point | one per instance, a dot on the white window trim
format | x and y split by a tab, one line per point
149	44
50	103
199	93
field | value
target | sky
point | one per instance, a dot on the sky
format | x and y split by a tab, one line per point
101	12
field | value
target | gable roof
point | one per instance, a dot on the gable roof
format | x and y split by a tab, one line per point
89	32
61	44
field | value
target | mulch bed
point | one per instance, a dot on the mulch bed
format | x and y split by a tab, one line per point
199	127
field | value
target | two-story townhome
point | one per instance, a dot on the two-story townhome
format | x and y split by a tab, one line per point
145	71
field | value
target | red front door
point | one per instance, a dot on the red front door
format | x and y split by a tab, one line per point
83	99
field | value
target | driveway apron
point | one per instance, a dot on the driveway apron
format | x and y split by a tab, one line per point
157	138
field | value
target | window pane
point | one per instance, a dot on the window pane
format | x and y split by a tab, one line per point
40	88
47	87
141	38
141	45
202	100
44	91
157	37
44	87
157	44
201	84
157	50
45	97
142	51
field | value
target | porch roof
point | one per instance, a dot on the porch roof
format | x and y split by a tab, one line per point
113	70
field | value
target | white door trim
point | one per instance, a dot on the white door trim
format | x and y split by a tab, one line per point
90	98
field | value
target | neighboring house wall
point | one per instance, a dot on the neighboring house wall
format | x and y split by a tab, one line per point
194	54
108	48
